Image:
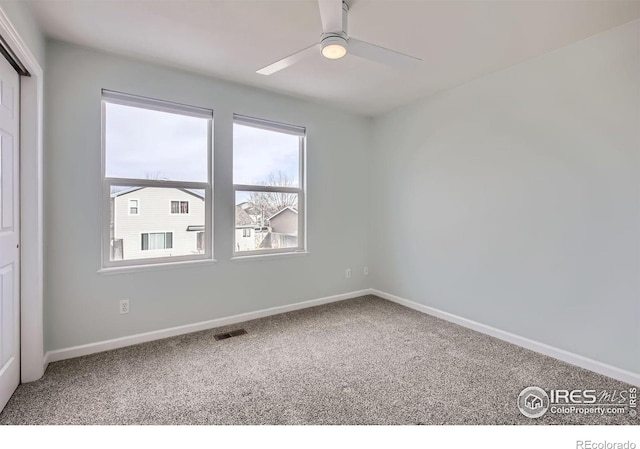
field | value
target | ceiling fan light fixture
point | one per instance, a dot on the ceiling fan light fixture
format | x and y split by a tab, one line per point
334	47
335	43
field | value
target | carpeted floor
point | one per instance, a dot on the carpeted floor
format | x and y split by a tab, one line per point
360	361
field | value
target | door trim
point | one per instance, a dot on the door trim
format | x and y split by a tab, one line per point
31	206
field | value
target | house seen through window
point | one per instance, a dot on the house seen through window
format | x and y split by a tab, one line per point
156	155
268	177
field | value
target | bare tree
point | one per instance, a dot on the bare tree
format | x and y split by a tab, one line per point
155	176
268	203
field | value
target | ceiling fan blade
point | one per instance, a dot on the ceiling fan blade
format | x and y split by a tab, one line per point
331	15
289	60
379	54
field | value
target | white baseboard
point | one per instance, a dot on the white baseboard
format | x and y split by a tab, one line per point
560	354
107	345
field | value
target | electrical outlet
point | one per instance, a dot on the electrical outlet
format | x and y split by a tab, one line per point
348	273
124	306
366	271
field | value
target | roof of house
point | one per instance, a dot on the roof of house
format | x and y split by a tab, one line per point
282	210
249	208
128	190
243	218
124	191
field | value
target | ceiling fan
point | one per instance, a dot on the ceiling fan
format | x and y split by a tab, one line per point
336	43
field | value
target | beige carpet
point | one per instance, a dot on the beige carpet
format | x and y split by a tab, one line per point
361	361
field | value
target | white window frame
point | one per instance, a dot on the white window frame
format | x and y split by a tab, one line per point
113	97
137	206
301	132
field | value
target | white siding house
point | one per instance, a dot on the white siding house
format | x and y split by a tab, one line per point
246	238
285	221
245	229
281	230
153	222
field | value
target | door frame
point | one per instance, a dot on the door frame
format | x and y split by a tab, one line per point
31	207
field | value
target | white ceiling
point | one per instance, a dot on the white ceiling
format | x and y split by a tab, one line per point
458	40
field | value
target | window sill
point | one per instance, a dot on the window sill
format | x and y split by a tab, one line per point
254	257
155	266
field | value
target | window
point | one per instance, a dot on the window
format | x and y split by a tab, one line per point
268	177
133	207
179	207
157	240
157	153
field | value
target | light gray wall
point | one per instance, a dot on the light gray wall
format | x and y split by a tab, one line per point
81	306
21	18
514	200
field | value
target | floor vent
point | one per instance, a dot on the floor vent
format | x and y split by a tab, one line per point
226	335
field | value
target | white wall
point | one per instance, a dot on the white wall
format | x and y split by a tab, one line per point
514	200
81	306
21	18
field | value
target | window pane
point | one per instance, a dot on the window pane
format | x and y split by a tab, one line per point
155	232
266	221
146	144
264	157
156	240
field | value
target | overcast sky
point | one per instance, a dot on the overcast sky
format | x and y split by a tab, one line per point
257	153
144	144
